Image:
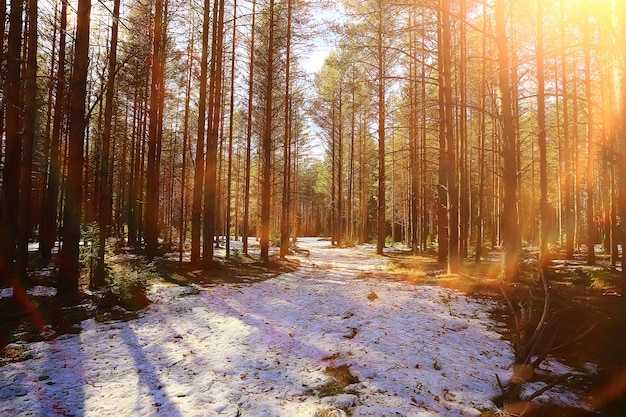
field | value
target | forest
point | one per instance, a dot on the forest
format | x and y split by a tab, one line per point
192	141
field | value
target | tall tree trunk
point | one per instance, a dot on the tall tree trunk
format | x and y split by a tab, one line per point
105	194
215	112
183	175
510	221
12	146
591	227
230	133
246	203
544	253
464	166
285	219
25	224
266	145
450	143
381	210
480	221
570	222
69	268
621	167
151	226
198	183
442	195
47	233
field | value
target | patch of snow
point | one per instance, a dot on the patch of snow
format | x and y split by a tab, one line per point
263	349
42	291
6	292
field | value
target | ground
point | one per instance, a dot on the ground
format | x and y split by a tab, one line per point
328	332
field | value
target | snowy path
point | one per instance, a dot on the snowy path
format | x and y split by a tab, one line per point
262	349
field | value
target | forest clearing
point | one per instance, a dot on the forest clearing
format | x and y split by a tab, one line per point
337	331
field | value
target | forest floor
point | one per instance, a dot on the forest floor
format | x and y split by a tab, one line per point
326	332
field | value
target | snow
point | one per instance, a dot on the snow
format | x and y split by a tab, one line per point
262	349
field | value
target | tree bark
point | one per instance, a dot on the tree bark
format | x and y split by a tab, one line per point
105	194
544	253
69	268
381	209
198	183
246	203
266	145
25	224
510	220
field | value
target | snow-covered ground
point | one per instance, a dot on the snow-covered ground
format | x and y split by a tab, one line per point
262	349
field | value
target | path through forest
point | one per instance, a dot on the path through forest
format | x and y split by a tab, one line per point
335	335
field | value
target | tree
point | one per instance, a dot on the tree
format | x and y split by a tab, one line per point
591	227
69	267
266	143
510	222
154	138
48	224
213	136
28	143
196	210
380	80
447	127
284	225
544	253
106	199
246	213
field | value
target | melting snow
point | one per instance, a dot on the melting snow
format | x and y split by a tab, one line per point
262	349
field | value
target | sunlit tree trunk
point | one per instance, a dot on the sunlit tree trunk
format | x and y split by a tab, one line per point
196	210
69	267
214	126
230	133
266	144
480	221
510	221
621	166
544	253
285	218
450	143
106	199
381	204
464	167
570	222
246	203
442	194
151	226
591	227
49	214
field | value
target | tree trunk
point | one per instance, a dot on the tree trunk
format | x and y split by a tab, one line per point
230	134
215	113
285	218
381	210
544	253
510	221
266	145
591	227
246	203
198	183
105	194
69	267
622	149
151	226
25	224
450	144
12	147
